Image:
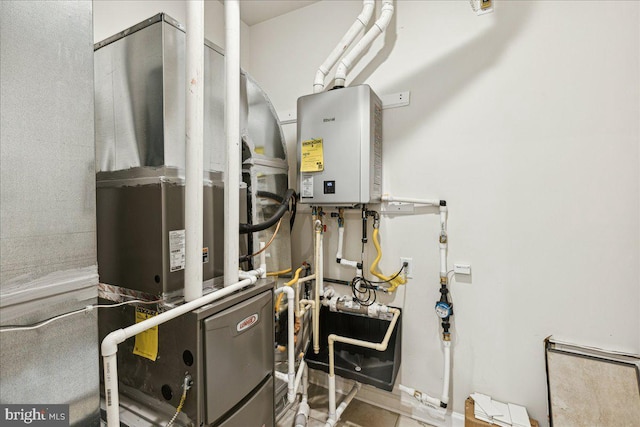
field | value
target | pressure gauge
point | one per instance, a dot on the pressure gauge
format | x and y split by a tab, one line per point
443	309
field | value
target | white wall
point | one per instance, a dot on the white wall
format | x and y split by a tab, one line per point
527	122
112	16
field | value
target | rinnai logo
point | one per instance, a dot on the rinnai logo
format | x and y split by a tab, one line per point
247	322
39	415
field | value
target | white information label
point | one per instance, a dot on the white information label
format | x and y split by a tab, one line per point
176	250
307	186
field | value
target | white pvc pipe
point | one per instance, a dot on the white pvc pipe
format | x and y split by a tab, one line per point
291	394
421	397
425	398
340	242
343	405
109	346
306	305
110	366
377	29
194	121
343	261
263	261
320	272
447	372
246	274
332	397
299	375
360	24
318	275
302	416
305	382
390	198
232	132
349	263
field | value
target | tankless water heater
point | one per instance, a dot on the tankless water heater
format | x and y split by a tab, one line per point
340	147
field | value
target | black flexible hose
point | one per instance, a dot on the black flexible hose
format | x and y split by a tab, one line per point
279	199
284	206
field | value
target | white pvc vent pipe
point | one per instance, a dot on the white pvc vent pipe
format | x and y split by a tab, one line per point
232	132
109	346
359	24
378	28
194	121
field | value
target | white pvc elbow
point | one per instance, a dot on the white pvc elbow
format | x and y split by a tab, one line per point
110	343
378	28
346	41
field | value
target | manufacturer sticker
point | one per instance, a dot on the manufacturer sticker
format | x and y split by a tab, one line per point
146	344
307	186
205	255
247	322
312	156
176	250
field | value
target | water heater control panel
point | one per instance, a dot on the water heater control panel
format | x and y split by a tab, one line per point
340	147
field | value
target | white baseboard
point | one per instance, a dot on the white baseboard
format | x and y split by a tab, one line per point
391	401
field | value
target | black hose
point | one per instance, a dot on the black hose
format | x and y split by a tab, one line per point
284	206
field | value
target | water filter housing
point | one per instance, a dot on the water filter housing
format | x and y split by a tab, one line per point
340	147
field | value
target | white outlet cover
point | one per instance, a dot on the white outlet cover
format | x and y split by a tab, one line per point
393	100
462	269
409	270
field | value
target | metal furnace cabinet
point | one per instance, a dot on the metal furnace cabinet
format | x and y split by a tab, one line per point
227	349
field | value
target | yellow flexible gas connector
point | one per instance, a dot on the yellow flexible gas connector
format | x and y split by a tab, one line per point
296	276
395	282
279	273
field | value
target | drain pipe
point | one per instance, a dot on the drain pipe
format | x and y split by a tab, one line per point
109	346
360	24
194	121
232	132
377	29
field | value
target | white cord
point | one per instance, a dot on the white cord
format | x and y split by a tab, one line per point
87	309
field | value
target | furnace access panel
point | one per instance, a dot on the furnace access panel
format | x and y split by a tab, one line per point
340	147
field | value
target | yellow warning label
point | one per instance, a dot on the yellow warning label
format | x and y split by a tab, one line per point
312	156
146	344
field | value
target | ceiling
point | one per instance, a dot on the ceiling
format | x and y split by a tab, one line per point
255	11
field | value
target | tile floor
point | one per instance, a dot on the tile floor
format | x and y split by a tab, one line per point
357	414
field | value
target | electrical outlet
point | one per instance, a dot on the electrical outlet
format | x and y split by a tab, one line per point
400	99
408	271
462	269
